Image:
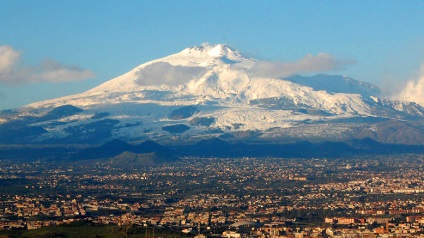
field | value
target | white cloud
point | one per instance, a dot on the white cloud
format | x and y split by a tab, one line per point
56	72
165	73
309	64
8	58
413	90
168	74
51	71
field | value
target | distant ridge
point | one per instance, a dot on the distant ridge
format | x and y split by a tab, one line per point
303	149
152	153
108	150
119	149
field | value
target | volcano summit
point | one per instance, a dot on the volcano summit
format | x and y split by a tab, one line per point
214	91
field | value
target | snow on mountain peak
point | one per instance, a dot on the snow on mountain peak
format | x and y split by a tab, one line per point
227	98
221	73
221	50
213	50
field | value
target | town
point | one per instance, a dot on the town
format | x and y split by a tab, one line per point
362	196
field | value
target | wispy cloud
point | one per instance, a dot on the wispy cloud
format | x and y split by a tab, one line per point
11	72
413	90
53	71
165	73
309	64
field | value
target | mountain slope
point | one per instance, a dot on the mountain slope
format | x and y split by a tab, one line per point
212	91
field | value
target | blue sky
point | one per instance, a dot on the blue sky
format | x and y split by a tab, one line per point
89	42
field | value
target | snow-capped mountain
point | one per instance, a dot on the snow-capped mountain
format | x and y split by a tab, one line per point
213	91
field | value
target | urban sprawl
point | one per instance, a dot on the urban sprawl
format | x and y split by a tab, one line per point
363	196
